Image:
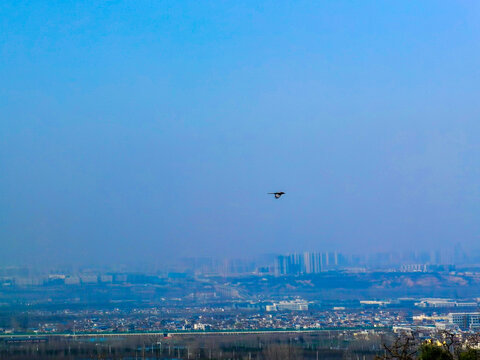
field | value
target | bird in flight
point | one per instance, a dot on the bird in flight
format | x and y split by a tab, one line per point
277	194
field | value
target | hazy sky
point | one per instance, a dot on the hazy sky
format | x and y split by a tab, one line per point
147	130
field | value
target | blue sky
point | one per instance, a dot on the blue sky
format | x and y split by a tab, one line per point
152	129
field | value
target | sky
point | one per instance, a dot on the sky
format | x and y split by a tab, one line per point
144	131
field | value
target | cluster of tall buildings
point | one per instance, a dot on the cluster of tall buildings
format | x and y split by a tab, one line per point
307	263
407	261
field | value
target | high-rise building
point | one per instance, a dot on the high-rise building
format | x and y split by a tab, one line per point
459	255
306	263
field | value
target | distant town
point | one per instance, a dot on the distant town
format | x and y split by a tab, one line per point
304	291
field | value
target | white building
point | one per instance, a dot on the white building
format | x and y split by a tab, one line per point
465	320
297	305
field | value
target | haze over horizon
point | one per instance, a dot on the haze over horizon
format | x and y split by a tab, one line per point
154	130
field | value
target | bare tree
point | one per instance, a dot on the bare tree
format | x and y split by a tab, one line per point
472	341
451	342
403	347
281	352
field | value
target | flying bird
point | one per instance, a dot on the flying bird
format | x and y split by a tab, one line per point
277	194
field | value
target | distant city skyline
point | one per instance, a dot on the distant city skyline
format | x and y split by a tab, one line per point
295	263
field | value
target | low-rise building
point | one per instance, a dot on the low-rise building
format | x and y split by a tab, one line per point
465	321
